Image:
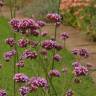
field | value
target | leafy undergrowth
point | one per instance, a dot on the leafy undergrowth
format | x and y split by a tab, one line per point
62	84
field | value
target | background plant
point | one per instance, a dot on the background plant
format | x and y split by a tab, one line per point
80	14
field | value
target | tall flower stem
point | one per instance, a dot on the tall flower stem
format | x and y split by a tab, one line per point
55	35
11	9
15	47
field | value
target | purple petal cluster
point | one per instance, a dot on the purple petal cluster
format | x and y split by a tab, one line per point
48	44
75	51
20	63
69	93
23	24
54	17
8	55
83	52
20	77
35	32
54	73
57	57
27	54
37	82
3	92
15	24
24	91
22	43
64	36
41	23
10	41
80	70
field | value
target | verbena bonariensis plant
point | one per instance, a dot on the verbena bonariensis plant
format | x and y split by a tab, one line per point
35	46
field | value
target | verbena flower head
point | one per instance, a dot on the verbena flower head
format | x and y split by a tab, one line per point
41	23
24	91
76	64
20	63
54	73
69	93
21	25
27	54
8	55
3	92
22	43
64	36
15	24
35	32
48	44
20	78
75	51
83	52
80	70
57	57
54	17
37	82
10	41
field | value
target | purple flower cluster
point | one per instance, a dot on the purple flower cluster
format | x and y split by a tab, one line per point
3	92
48	44
41	23
75	51
35	32
24	24
20	77
27	54
57	57
22	43
69	93
80	70
10	41
54	17
8	55
81	52
20	63
84	53
37	82
24	91
64	36
54	73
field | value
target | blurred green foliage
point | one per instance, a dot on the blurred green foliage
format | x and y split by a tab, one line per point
39	8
